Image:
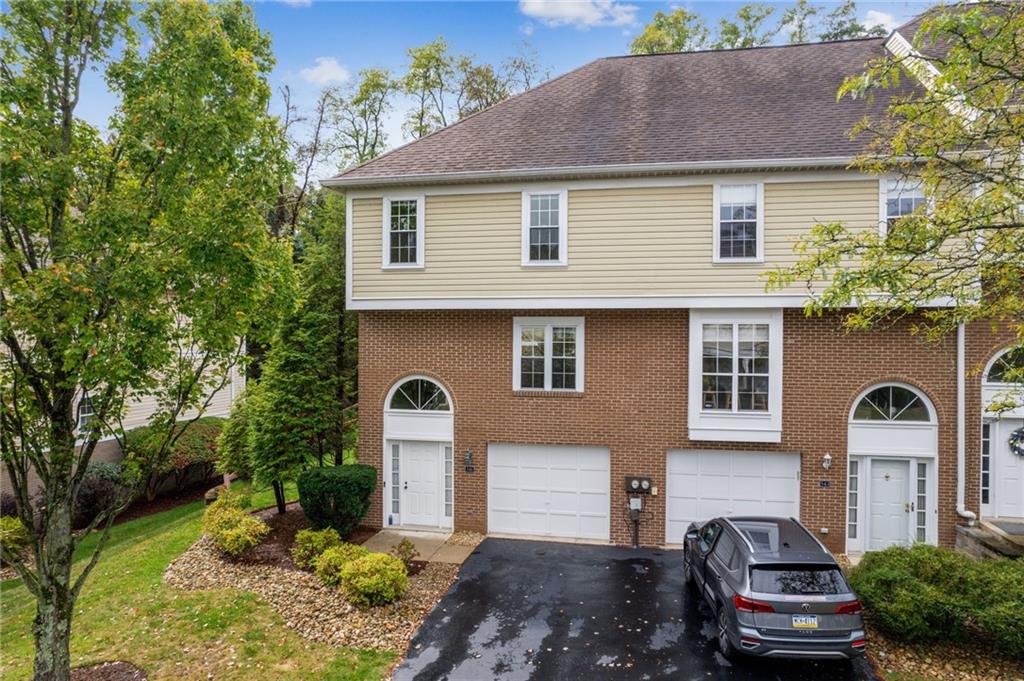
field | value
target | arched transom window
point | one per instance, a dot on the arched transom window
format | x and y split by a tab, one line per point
893	403
419	394
1007	367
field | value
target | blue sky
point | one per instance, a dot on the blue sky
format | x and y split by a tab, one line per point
320	43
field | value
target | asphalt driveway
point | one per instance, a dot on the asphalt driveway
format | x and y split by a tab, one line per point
541	610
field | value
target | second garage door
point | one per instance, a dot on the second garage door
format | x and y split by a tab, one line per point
548	490
703	484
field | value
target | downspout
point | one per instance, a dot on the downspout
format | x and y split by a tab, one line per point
961	430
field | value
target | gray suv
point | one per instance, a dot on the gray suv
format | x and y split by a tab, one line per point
774	588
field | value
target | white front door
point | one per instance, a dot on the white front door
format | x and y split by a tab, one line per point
1008	482
420	480
890	504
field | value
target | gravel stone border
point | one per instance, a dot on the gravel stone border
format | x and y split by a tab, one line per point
465	538
941	661
316	611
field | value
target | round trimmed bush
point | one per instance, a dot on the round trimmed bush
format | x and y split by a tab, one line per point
337	496
309	544
244	534
374	579
329	564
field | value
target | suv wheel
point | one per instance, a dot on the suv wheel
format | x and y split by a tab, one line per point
726	647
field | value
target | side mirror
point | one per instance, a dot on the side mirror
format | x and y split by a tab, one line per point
691	535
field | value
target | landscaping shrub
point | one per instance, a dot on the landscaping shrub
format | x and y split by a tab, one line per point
224	512
233	442
7	505
309	544
337	496
13	535
406	552
235	496
99	490
374	579
233	530
329	564
932	593
195	449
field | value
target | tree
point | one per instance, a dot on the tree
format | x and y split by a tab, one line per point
358	117
799	19
748	30
842	24
678	31
479	87
960	135
132	264
428	81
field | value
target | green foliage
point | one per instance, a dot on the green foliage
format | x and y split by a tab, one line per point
931	593
361	113
233	441
330	564
406	552
842	24
337	496
14	538
965	245
191	446
748	29
799	19
233	530
309	544
374	579
678	31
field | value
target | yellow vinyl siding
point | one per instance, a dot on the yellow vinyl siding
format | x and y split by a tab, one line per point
622	241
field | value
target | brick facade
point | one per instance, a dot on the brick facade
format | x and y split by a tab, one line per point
635	400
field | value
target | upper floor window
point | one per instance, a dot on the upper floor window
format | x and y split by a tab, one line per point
892	403
419	394
403	231
735	367
86	413
739	222
548	354
1007	367
545	228
902	197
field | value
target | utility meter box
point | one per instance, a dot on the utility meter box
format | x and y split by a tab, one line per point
637	484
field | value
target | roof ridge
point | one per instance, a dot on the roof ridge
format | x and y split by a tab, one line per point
470	116
744	49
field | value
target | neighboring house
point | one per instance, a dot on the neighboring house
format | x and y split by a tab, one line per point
564	290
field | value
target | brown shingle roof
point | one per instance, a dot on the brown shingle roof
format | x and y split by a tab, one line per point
764	104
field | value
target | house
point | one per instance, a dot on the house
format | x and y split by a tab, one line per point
564	292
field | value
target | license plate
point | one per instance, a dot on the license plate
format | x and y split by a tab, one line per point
805	621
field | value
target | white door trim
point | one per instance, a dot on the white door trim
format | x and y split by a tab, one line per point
860	544
390	519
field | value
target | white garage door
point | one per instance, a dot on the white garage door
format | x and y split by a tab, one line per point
703	484
548	490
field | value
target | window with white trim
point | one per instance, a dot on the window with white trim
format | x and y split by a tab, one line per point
735	376
449	476
986	462
403	231
548	354
851	499
921	507
86	414
902	198
545	227
739	222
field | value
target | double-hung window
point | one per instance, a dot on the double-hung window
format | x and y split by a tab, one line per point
548	354
545	227
902	198
735	377
739	223
86	414
403	232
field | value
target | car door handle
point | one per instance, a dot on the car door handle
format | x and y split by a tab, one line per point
716	575
405	485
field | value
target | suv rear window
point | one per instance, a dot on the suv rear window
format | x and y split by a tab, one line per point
798	580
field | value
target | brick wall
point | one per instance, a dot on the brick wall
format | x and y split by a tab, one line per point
635	400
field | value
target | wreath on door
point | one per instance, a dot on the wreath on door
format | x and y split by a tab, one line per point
1017	442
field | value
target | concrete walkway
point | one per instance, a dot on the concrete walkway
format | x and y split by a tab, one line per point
431	546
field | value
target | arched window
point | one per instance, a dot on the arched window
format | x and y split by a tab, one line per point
419	394
892	403
1007	367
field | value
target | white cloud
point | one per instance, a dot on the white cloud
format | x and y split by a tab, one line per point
582	14
297	3
883	19
526	29
326	71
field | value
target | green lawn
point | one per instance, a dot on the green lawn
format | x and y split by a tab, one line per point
127	613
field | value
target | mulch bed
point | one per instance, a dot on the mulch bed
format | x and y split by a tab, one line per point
941	660
186	495
109	671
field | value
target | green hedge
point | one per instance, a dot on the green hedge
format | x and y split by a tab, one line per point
309	544
330	564
195	449
337	496
374	579
927	593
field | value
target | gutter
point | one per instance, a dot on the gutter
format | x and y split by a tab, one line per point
961	430
341	181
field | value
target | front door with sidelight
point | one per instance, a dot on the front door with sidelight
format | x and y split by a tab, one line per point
420	478
890	504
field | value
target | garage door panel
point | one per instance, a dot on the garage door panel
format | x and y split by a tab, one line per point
702	484
559	491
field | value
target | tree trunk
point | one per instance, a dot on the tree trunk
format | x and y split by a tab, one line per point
51	628
279	496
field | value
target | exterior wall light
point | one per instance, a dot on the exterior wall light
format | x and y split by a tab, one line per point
826	461
467	460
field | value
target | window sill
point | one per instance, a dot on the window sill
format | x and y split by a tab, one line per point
548	393
738	261
401	267
544	264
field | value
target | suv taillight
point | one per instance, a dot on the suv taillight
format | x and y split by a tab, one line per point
748	605
851	608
